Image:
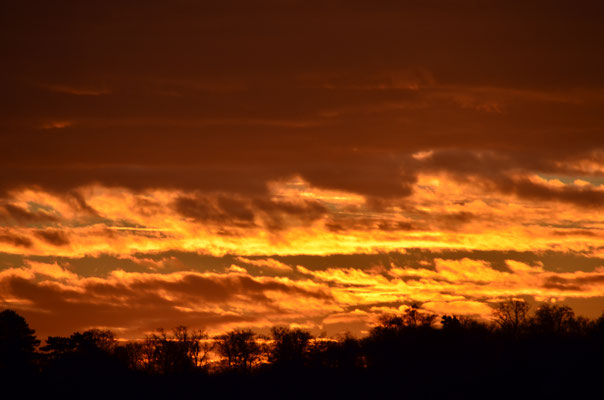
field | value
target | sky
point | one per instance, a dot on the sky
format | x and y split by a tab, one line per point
316	164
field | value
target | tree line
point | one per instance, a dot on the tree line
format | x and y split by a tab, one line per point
549	351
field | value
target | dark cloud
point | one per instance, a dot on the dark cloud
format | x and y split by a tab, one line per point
217	211
15	240
415	220
137	303
79	203
364	223
211	289
62	311
23	216
238	212
223	96
576	232
54	237
280	214
500	171
580	196
574	284
396	226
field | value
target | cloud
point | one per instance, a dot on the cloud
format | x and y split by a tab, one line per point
473	308
320	139
23	216
137	302
57	298
300	219
269	263
506	173
54	237
355	316
221	210
268	111
15	240
248	213
580	196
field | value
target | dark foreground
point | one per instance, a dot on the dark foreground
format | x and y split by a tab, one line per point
551	354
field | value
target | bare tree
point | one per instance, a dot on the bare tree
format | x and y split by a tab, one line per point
134	356
553	319
413	317
511	315
239	349
182	351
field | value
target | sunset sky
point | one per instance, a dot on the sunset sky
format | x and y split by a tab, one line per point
224	164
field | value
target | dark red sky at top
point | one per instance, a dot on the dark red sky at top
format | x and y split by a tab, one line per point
136	138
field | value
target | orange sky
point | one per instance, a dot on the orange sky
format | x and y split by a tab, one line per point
245	164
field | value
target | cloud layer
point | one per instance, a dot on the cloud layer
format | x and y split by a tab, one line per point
136	139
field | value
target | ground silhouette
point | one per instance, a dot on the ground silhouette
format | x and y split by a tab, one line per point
549	353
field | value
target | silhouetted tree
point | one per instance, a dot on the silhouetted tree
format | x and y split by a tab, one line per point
134	356
193	343
183	351
17	343
414	317
580	326
77	364
397	342
451	323
552	319
344	353
239	349
598	326
511	316
557	354
289	346
91	342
